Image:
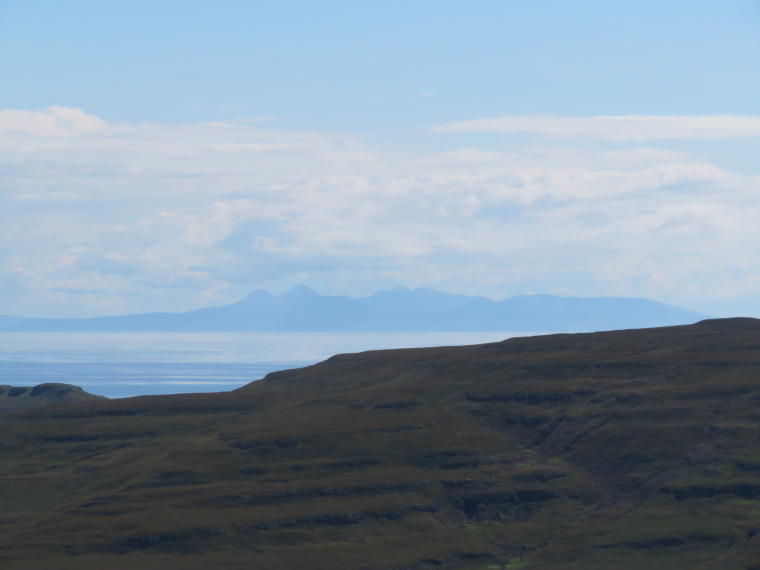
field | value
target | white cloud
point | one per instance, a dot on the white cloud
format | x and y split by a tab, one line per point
157	217
54	121
617	128
47	196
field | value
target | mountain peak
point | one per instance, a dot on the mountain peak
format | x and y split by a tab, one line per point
300	292
257	296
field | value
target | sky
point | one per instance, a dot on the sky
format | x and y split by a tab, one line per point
166	156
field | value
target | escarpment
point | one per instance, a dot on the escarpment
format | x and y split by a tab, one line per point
624	449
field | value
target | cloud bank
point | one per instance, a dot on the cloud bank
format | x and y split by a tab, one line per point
110	219
55	121
617	128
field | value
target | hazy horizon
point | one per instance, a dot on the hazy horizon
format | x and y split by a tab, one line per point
118	365
171	156
301	287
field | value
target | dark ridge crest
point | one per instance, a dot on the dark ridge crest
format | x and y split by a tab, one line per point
733	323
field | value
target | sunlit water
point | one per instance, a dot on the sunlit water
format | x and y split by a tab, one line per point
120	365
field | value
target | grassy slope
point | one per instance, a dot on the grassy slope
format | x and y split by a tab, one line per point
629	449
18	398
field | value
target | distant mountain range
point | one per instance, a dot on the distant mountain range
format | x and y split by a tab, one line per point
303	310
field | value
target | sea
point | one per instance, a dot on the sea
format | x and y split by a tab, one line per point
122	365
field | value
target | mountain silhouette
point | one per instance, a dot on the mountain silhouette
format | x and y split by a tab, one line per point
303	310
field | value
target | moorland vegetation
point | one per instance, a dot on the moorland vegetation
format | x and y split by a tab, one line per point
625	449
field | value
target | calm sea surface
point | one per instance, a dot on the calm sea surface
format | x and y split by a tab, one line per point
119	365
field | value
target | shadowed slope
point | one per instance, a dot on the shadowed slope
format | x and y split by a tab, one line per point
625	449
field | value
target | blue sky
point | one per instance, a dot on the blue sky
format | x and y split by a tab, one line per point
172	155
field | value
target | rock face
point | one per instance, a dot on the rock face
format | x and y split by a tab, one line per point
17	398
628	449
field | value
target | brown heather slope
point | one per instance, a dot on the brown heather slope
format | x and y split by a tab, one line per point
627	449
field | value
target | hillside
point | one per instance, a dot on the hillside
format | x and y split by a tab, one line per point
401	309
626	449
17	398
